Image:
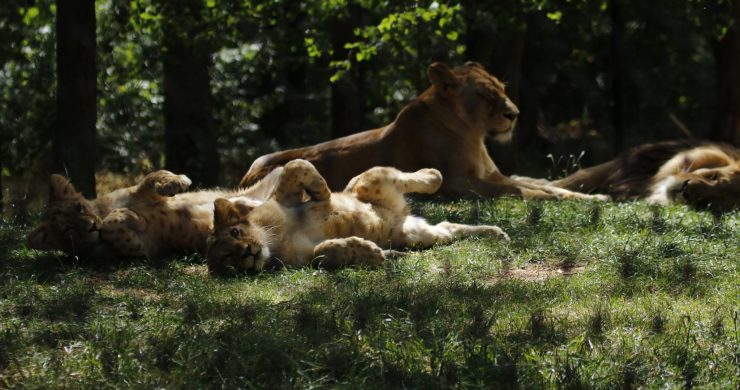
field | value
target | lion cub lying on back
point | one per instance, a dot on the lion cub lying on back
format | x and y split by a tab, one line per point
329	229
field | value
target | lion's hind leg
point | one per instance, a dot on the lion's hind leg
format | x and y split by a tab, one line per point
417	232
300	177
385	186
338	252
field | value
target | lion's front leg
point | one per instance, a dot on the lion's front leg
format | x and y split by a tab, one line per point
552	191
162	184
300	177
502	185
347	251
530	180
417	232
124	230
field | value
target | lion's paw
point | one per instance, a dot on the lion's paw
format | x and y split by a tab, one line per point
172	185
600	197
499	233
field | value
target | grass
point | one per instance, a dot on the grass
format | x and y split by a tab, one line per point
585	296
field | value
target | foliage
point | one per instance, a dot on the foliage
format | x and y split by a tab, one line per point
273	64
651	302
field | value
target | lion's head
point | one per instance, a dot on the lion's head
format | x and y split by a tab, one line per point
716	189
477	98
69	222
236	245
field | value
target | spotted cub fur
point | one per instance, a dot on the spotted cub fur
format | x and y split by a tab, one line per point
154	218
303	223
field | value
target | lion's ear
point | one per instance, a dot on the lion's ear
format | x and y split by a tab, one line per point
443	79
227	213
244	206
61	187
221	210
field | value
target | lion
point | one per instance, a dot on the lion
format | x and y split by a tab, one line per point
443	128
152	219
701	174
304	223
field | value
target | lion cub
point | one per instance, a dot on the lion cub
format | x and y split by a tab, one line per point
151	219
304	223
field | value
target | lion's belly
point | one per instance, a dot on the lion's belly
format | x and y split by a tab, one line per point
343	217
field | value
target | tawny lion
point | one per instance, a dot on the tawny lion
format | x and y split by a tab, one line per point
701	174
443	128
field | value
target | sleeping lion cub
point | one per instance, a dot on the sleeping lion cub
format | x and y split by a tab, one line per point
304	223
153	218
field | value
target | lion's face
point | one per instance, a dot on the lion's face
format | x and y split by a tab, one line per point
69	224
479	98
716	189
235	246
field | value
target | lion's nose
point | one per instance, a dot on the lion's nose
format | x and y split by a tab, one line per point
511	115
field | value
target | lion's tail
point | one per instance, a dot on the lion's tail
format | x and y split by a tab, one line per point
262	166
254	175
588	180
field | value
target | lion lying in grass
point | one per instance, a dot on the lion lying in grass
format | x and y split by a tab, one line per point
443	128
152	219
702	175
360	225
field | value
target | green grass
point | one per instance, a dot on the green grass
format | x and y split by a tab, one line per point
657	305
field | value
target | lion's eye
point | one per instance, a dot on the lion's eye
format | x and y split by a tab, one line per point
78	207
234	232
714	176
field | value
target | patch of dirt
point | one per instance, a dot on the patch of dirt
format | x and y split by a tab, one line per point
537	272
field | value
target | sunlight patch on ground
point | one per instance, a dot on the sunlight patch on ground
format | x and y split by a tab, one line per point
537	272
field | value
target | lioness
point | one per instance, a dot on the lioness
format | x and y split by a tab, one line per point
703	175
330	229
443	128
152	219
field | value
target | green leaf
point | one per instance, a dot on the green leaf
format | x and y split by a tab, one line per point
311	48
210	3
30	15
555	16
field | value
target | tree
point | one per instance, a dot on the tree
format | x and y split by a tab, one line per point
617	70
347	93
74	142
500	48
190	138
727	57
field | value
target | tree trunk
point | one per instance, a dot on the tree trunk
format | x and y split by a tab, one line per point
617	71
501	53
74	142
348	93
727	56
190	138
2	189
511	48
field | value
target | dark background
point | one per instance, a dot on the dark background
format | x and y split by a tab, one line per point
203	87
